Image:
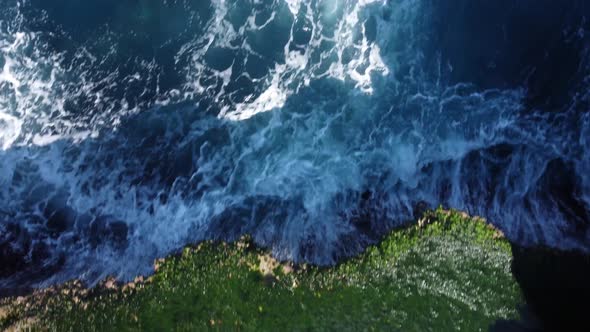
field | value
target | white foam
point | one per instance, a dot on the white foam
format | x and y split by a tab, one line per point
37	86
10	130
295	71
272	98
7	76
294	6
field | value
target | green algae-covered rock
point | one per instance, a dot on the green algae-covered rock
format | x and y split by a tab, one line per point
449	272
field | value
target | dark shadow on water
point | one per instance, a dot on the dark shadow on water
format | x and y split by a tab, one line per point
536	43
556	287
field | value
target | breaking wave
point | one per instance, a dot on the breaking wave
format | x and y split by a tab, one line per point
133	128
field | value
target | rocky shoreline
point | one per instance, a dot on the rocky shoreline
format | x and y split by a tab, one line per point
448	271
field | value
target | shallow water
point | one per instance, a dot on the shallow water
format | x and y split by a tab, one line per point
131	128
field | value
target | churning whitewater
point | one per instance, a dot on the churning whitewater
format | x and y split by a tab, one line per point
129	129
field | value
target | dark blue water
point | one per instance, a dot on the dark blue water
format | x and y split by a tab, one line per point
129	129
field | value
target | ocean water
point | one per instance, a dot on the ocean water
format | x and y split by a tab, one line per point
131	128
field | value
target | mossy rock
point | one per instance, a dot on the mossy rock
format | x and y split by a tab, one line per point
449	272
